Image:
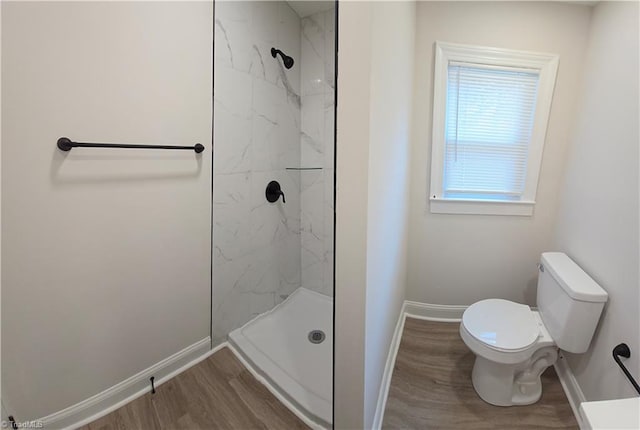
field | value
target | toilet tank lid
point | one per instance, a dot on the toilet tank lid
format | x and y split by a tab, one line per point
575	281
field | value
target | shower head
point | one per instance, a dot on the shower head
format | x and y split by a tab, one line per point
286	60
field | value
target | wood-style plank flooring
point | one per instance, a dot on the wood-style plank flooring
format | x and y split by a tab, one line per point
218	393
431	388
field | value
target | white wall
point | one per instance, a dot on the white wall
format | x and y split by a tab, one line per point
374	111
352	173
598	217
393	37
106	252
460	259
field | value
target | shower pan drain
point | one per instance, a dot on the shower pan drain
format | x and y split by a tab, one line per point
316	336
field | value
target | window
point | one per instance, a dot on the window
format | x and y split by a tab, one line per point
490	114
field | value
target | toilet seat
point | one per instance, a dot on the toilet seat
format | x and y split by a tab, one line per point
501	325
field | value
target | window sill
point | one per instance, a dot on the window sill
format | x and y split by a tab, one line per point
481	207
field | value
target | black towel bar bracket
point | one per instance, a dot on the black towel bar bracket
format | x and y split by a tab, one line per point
622	350
65	144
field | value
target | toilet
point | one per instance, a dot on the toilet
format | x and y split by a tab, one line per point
514	344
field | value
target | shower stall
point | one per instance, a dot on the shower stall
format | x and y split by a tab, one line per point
273	195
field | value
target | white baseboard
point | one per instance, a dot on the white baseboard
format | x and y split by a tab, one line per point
570	386
130	389
427	311
453	313
388	369
136	386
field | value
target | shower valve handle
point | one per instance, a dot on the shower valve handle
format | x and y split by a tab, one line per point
273	192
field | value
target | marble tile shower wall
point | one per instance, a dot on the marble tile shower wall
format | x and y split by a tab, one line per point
317	151
257	108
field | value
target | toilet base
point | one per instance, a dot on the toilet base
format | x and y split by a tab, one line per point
512	384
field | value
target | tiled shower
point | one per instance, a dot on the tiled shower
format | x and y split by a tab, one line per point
271	123
317	150
274	121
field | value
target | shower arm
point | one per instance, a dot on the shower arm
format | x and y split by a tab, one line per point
286	60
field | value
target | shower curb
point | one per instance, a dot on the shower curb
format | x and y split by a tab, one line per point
277	394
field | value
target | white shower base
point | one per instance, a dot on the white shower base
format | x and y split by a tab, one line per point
276	345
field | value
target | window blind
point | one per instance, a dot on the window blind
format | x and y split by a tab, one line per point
489	119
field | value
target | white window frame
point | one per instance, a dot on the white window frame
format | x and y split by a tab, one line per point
546	65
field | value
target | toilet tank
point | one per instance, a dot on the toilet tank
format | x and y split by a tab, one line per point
569	302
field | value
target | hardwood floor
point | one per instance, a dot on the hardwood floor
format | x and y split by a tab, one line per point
218	393
431	388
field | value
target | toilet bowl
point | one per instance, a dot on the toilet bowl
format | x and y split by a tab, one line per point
514	344
512	347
